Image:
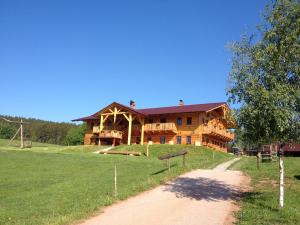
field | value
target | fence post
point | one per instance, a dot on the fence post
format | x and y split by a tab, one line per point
116	188
147	150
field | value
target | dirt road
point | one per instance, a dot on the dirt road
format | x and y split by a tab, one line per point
202	197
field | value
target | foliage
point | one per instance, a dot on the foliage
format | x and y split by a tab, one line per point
38	130
60	186
260	205
265	76
6	130
75	135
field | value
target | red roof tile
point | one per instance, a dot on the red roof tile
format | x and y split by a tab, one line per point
181	109
162	110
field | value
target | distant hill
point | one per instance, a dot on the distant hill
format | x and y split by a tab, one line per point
38	130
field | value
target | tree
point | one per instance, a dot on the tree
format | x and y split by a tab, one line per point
7	131
75	135
265	77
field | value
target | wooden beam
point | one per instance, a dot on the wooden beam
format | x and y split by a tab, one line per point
112	113
115	114
100	128
105	118
127	118
129	129
21	130
142	131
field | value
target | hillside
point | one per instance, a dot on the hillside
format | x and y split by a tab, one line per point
38	130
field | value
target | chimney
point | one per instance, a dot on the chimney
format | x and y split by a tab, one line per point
132	104
181	103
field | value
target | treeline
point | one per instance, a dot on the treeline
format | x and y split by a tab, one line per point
44	131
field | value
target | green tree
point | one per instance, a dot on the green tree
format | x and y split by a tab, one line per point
265	76
75	135
7	131
265	79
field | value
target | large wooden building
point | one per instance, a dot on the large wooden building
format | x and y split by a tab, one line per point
199	124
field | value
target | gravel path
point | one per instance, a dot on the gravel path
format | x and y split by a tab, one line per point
205	197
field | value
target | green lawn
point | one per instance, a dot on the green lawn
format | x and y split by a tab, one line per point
260	206
58	185
45	147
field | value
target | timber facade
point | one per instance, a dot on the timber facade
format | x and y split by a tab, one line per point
200	124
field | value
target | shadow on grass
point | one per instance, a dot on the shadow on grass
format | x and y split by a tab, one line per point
163	170
259	200
203	189
297	177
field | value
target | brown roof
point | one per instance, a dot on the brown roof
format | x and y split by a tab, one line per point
182	109
161	110
96	115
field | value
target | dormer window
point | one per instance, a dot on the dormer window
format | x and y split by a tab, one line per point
189	120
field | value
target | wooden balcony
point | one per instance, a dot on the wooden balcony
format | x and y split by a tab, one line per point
161	128
111	134
96	129
218	133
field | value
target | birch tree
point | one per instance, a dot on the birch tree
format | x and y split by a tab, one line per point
265	78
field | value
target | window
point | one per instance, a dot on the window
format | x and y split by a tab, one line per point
189	120
150	120
178	140
149	139
163	120
92	125
179	121
162	139
188	140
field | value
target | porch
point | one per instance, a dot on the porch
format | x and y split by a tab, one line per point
117	123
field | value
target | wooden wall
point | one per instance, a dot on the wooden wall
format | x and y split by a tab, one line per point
200	121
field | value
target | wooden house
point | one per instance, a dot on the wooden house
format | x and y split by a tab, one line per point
199	124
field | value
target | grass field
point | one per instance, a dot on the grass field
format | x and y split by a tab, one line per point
59	185
260	206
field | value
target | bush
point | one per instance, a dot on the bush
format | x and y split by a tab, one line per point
7	131
75	135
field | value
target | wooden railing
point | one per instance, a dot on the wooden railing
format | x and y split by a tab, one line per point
111	134
96	129
160	127
218	131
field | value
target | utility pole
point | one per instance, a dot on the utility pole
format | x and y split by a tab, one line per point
21	123
22	140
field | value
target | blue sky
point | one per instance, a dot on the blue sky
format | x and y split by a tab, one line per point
61	60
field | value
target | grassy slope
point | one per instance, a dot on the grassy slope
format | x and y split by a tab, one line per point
41	187
260	206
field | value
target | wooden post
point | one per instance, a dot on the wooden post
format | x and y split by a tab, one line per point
100	128
22	140
258	159
116	187
129	129
281	182
147	153
142	131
